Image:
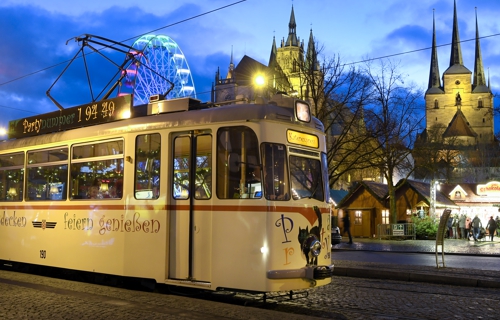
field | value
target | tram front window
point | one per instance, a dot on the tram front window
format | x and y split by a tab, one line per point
306	178
276	185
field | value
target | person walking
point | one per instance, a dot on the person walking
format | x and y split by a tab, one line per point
450	227
492	227
476	227
456	229
497	220
468	225
347	226
461	225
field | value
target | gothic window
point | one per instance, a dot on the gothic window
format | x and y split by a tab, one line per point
480	102
436	104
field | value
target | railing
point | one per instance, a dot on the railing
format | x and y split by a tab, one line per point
402	230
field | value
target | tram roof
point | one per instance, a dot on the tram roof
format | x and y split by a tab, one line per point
146	117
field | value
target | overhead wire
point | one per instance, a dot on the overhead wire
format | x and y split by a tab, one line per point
131	38
233	4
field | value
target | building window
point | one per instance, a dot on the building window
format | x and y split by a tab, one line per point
436	104
358	217
436	118
480	102
458	195
385	216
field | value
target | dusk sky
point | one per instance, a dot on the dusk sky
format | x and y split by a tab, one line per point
34	33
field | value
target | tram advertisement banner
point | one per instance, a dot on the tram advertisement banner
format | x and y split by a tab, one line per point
80	116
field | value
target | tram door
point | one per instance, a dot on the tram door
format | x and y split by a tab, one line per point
190	219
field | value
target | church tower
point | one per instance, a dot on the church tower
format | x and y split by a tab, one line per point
300	67
290	57
461	108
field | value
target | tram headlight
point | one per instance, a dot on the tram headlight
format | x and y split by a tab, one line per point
313	244
302	111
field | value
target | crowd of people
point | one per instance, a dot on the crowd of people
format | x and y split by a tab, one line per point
463	227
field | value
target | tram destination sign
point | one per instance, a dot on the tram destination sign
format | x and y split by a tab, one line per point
80	116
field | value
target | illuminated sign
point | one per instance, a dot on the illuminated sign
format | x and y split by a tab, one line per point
90	114
303	139
489	188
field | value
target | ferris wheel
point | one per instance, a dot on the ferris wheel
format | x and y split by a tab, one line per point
161	68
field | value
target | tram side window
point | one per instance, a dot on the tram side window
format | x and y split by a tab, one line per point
11	176
203	178
238	165
181	166
47	174
147	166
275	171
306	176
97	170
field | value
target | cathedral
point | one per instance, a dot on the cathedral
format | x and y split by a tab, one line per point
287	71
459	118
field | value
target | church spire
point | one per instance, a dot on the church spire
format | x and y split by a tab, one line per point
456	51
311	56
292	35
434	77
272	57
479	79
230	70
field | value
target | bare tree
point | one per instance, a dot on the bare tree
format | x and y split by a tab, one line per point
393	119
436	156
338	94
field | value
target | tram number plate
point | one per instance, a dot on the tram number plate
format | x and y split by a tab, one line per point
43	254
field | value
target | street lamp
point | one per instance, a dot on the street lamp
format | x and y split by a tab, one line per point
259	82
3	132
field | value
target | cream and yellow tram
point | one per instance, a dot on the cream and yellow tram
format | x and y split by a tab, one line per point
219	198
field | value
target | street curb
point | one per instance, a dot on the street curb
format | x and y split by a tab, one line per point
420	252
415	277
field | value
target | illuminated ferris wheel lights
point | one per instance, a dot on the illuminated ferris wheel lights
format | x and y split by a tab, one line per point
187	90
159	58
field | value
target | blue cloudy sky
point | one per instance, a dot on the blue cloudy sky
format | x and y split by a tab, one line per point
33	35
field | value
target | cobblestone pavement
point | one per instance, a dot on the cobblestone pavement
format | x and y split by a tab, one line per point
359	290
26	296
362	298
